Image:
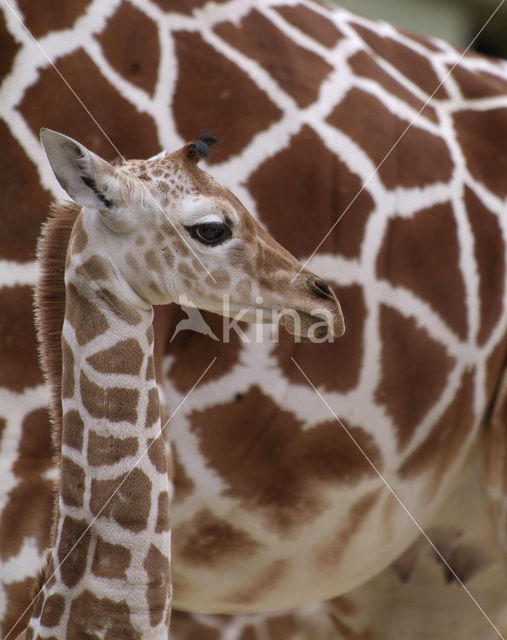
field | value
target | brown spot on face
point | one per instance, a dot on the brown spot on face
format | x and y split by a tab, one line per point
79	236
152	261
140	240
163	513
72	483
67	370
88	322
419	158
330	553
73	550
222	86
244	289
73	428
410	359
110	560
134	133
108	450
437	453
153	410
125	356
301	192
95	268
123	310
481	134
130	506
18	342
412	65
132	262
311	23
333	366
209	540
115	404
221	278
489	252
159	584
130	43
298	71
157	453
362	64
168	257
422	254
92	617
53	610
185	270
273	464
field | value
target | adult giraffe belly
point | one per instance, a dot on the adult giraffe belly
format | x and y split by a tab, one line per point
275	505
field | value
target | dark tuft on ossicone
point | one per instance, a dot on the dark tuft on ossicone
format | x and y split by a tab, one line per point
200	148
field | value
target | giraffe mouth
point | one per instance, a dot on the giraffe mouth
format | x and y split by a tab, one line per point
315	326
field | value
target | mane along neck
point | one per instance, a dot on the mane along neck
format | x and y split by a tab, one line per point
50	304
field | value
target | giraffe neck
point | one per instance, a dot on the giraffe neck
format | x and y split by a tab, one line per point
113	503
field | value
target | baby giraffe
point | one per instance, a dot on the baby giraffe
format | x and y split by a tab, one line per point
141	234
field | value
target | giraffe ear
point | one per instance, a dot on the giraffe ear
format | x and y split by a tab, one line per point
89	180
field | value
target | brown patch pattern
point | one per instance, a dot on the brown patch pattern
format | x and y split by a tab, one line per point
411	359
311	23
298	71
120	308
421	158
73	550
92	617
115	404
275	466
130	43
72	482
209	540
67	370
73	428
159	584
222	86
107	450
421	254
101	98
131	503
442	445
88	322
294	192
110	560
157	453
125	356
53	610
489	252
163	513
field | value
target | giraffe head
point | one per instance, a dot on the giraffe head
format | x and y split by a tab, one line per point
175	235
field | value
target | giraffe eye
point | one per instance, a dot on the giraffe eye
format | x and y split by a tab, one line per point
210	233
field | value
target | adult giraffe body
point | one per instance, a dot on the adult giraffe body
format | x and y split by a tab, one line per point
419	265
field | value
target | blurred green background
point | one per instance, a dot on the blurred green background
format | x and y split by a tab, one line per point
457	21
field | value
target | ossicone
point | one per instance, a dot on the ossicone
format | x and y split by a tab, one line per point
200	147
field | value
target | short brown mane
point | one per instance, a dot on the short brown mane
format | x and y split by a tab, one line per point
50	303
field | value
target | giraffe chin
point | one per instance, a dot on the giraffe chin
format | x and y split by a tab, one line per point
319	328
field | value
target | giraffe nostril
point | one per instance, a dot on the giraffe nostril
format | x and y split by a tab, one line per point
320	288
